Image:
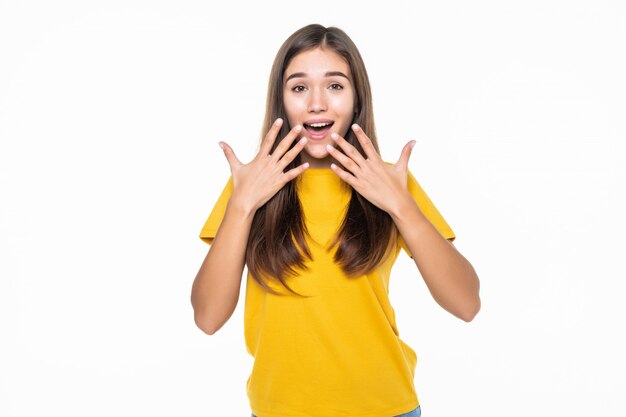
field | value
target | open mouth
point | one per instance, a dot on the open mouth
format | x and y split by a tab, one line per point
317	129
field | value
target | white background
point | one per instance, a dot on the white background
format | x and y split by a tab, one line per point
110	117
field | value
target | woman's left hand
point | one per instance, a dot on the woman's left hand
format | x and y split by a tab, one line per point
384	185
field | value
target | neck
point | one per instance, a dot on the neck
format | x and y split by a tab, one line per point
316	163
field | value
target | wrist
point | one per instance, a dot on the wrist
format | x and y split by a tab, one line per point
403	205
241	208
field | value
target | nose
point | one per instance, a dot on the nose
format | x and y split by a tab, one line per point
317	101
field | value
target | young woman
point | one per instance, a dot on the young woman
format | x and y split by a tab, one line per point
319	219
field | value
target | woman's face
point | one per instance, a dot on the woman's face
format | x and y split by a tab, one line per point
319	95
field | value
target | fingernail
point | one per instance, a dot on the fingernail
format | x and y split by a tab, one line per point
413	144
278	121
298	128
330	148
306	164
334	135
303	140
355	127
221	145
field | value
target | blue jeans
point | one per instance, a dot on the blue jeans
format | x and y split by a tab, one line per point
415	413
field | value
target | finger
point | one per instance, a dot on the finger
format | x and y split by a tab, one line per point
350	150
270	137
403	161
293	173
366	143
343	159
346	176
286	142
291	155
233	161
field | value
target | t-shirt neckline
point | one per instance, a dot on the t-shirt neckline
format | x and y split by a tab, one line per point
319	171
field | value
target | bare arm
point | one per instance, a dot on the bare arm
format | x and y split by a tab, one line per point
215	290
450	277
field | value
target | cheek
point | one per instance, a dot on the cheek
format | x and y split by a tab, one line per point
293	105
343	105
287	105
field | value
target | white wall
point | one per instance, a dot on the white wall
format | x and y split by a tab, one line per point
110	115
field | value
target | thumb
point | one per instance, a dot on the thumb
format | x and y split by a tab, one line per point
403	161
230	156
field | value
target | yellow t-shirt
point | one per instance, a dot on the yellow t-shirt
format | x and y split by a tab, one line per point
337	353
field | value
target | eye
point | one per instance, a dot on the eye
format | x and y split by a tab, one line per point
339	86
296	88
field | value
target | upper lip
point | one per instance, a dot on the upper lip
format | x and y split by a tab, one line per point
308	122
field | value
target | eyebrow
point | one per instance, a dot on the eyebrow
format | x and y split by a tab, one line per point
328	74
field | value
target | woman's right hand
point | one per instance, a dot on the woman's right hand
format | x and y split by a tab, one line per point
256	182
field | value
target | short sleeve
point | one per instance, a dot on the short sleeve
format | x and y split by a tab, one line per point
430	211
217	214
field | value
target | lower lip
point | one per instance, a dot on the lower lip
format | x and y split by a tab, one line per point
318	135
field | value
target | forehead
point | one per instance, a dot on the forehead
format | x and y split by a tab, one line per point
317	62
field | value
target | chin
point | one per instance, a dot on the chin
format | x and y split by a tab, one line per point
319	152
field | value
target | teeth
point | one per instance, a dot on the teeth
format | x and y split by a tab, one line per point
319	124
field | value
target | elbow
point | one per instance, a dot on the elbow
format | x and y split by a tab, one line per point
470	312
211	319
472	306
204	324
202	317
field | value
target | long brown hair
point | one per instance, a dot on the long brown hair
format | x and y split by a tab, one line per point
367	232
